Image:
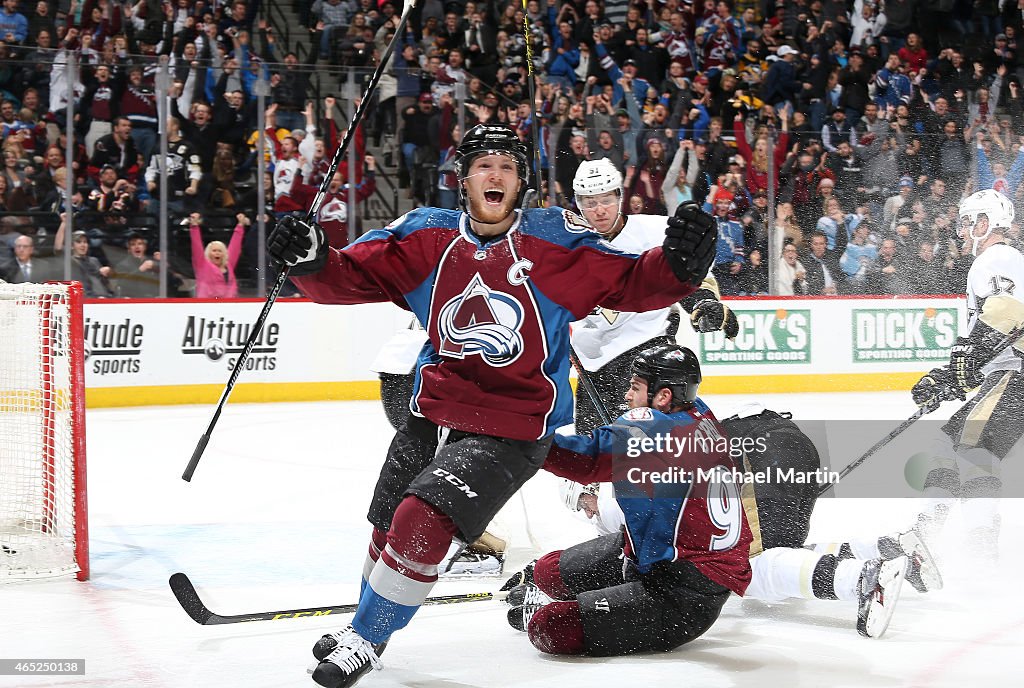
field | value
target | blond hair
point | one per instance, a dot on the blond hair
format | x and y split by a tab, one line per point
221	246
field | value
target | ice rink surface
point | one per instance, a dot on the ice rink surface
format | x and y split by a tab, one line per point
274	518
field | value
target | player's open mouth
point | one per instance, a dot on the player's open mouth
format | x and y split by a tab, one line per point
494	196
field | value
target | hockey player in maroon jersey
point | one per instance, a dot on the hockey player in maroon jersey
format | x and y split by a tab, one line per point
661	581
333	216
496	289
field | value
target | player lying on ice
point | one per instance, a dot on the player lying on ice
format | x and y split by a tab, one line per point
582	600
495	288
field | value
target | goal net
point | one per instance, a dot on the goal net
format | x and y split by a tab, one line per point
43	517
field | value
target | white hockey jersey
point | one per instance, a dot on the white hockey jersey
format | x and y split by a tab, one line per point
399	354
995	296
605	333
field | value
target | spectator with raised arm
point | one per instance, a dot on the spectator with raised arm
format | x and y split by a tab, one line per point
758	163
87	269
892	86
682	174
214	264
639	86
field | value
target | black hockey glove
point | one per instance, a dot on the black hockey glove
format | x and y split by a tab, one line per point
937	386
964	364
301	246
711	315
519	578
690	243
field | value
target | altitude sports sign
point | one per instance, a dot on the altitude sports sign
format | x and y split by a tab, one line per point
903	334
777	335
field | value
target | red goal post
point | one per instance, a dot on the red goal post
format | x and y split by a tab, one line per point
44	527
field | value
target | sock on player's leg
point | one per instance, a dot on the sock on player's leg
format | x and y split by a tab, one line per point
557	629
548	578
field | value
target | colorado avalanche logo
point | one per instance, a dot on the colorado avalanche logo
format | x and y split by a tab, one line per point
335	210
482	321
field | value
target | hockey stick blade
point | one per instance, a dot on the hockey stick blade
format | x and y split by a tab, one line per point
189	600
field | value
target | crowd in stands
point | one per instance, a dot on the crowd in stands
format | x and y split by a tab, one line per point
855	127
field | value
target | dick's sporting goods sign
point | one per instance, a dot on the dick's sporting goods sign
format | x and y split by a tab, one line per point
778	335
903	334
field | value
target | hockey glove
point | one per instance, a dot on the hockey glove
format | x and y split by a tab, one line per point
711	315
300	245
937	386
964	363
690	243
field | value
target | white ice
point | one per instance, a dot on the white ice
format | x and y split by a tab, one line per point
274	518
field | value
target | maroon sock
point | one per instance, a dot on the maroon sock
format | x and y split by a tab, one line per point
549	579
419	532
557	629
378	538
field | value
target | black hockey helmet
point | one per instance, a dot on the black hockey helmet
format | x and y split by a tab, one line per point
671	366
489	139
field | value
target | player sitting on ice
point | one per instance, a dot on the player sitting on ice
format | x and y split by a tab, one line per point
495	288
607	340
779	517
685	542
965	461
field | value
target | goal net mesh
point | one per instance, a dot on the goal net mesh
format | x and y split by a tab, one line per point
37	481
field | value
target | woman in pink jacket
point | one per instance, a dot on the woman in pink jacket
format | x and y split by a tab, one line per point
214	264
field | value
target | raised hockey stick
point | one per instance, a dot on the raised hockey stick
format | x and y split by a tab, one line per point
189	600
311	214
1009	339
532	95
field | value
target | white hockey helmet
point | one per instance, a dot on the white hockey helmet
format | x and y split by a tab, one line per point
571	492
596	177
993	205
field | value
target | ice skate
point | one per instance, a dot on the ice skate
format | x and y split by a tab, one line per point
519	578
525	600
472	564
922	571
877	591
344	656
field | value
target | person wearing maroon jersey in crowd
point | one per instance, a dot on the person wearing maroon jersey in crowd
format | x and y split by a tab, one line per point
663	581
138	104
333	215
495	289
100	104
